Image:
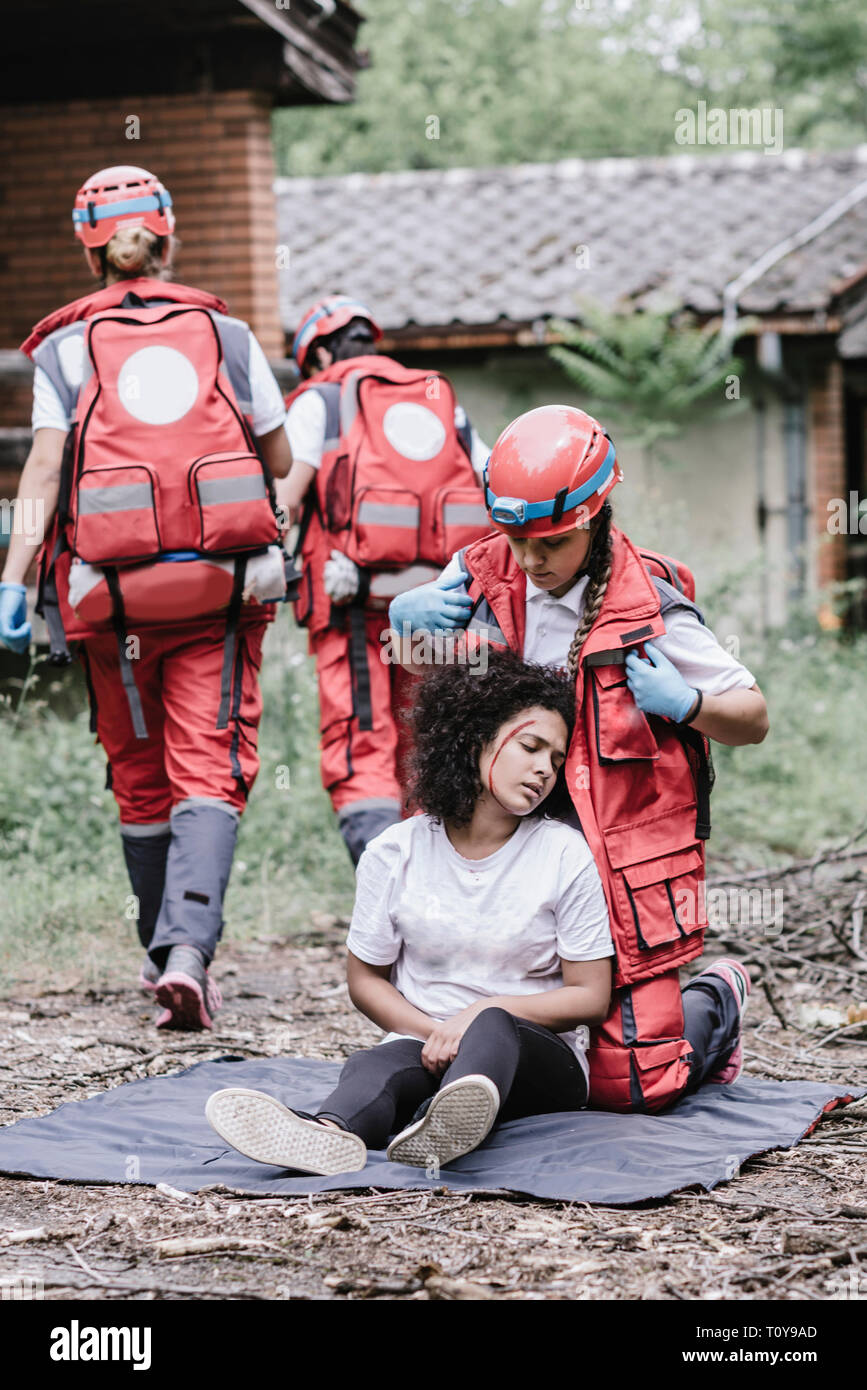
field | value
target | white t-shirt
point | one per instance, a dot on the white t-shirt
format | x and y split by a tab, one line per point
269	411
688	644
305	428
457	930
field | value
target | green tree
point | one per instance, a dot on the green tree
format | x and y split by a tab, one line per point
535	80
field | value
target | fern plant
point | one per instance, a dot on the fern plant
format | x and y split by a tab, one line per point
649	367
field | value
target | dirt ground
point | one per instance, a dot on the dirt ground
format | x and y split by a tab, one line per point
791	1225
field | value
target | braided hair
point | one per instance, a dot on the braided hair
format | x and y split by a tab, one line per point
598	567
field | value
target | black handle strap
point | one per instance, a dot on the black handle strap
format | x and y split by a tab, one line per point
127	673
232	616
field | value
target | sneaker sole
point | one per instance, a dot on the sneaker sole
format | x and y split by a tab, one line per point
144	983
259	1127
182	999
458	1118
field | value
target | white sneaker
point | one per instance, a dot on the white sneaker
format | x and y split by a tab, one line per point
458	1118
259	1127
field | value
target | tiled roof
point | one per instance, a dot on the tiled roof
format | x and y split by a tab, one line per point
479	246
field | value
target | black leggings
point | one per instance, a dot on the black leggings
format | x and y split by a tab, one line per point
385	1088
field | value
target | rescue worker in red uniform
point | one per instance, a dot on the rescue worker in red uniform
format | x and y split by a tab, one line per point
389	471
558	582
157	428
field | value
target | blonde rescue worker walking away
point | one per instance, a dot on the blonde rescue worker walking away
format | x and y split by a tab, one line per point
157	430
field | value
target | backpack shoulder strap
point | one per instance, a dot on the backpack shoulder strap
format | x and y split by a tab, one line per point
670	597
464	431
235	344
329	393
49	356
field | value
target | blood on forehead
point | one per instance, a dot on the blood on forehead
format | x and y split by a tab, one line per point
503	741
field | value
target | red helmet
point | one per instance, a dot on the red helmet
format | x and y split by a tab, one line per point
324	318
549	471
121	194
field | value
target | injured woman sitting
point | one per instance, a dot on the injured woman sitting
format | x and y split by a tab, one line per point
479	942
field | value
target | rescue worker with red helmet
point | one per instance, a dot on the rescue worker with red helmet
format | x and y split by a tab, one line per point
157	430
558	582
389	472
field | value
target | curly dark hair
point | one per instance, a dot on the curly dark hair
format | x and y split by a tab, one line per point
457	709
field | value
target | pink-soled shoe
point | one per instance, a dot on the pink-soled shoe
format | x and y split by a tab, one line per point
188	995
148	975
738	980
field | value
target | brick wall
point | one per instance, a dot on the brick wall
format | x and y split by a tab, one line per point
827	477
212	151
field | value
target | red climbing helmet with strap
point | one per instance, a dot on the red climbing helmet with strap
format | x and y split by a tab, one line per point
325	317
550	471
122	194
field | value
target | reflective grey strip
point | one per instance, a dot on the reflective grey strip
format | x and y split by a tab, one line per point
125	497
329	392
235	342
384	514
465	514
47	357
370	803
143	832
191	802
246	487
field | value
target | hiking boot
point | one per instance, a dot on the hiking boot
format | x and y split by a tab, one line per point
148	975
188	995
259	1127
737	978
456	1121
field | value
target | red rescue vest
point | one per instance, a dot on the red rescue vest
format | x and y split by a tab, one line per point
395	488
638	782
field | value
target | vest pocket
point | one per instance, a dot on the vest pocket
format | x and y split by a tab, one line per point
664	898
234	510
622	731
116	515
459	519
386	525
661	1071
642	1078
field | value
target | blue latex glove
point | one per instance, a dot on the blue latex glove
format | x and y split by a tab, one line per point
15	630
432	607
657	685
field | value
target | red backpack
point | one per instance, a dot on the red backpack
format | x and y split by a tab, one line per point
399	488
163	460
160	464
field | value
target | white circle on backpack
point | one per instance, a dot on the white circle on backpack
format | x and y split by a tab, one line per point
157	385
413	430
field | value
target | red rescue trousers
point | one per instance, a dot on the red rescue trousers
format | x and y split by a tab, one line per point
360	696
178	677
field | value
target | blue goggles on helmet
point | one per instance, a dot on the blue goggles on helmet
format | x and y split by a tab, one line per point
517	511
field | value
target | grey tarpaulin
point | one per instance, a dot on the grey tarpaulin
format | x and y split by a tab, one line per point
155	1131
